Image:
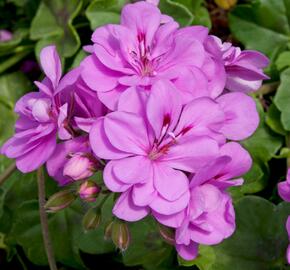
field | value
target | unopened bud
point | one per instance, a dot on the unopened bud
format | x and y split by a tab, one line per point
120	235
80	166
167	234
89	191
59	201
108	230
226	4
92	219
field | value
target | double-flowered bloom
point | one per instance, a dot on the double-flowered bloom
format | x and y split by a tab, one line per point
161	109
148	46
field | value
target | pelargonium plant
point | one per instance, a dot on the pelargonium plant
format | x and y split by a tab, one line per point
160	111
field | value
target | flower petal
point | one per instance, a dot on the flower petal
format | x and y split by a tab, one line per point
127	132
143	18
191	153
143	194
171	184
173	221
100	144
165	207
194	120
51	65
132	170
125	208
284	190
240	163
97	76
188	252
163	107
111	181
241	115
37	156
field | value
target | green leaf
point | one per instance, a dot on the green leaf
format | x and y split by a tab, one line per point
282	99
78	58
7	46
12	61
259	242
52	24
179	11
93	242
101	12
146	247
204	261
64	229
198	11
284	153
254	181
264	143
261	20
12	87
283	60
202	17
273	120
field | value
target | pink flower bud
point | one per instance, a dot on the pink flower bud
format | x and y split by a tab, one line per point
89	191
79	166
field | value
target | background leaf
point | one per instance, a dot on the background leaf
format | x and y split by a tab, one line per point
101	12
282	99
52	24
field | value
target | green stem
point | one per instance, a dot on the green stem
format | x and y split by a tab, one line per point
24	267
267	88
104	200
18	49
44	220
12	61
6	174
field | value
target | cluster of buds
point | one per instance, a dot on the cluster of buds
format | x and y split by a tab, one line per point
88	192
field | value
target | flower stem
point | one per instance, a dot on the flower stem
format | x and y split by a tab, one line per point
7	173
100	205
21	261
44	220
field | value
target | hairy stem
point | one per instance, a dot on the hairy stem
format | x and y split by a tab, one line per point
7	173
44	220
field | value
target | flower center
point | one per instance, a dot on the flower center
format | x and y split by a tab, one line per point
166	140
142	61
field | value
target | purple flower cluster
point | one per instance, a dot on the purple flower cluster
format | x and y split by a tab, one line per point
163	108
